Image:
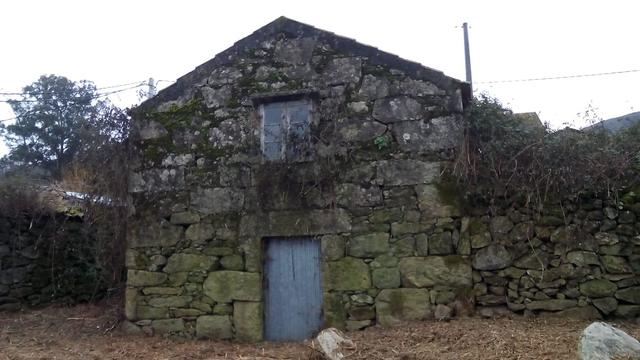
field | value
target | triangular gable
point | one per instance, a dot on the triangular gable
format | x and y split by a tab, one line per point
339	43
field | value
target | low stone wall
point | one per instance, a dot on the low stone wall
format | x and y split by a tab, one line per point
45	259
580	259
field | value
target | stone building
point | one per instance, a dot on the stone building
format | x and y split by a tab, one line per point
289	184
295	182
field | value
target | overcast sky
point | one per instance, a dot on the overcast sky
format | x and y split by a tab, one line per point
116	42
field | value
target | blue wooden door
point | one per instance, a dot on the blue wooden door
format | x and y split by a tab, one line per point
293	290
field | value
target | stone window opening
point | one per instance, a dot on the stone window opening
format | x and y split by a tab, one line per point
285	130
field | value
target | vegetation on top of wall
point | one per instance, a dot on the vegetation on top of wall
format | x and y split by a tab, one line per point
503	157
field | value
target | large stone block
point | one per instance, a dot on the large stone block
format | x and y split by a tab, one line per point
492	257
167	326
199	232
343	70
145	278
396	109
631	295
451	271
247	320
441	243
552	304
607	305
189	262
149	234
215	98
386	278
306	222
583	258
598	288
356	130
406	172
130	303
151	130
226	286
424	136
436	203
352	195
155	180
332	247
346	274
369	245
615	264
217	200
335	314
184	218
394	306
170	301
150	312
294	51
373	87
214	327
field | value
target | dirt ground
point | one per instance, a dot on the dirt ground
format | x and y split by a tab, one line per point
92	332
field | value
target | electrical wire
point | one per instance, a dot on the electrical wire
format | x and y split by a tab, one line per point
84	99
559	77
97	89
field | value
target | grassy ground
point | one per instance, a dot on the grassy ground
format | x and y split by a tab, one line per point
92	332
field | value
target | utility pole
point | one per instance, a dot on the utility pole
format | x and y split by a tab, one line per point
467	56
152	88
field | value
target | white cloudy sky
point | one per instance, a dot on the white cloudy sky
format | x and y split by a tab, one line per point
121	41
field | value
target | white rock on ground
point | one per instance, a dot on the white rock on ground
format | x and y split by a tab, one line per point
333	344
601	341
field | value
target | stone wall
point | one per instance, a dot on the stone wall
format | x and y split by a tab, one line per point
382	132
46	259
580	259
397	242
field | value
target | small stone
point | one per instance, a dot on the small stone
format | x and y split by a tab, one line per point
631	295
361	299
184	218
189	262
615	264
441	244
214	327
369	245
358	107
443	312
167	326
130	328
551	305
362	312
607	305
353	325
604	238
145	278
232	262
500	225
492	257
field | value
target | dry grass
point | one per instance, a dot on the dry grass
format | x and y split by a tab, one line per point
91	332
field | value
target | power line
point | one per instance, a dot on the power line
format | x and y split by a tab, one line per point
92	98
97	89
559	77
76	98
